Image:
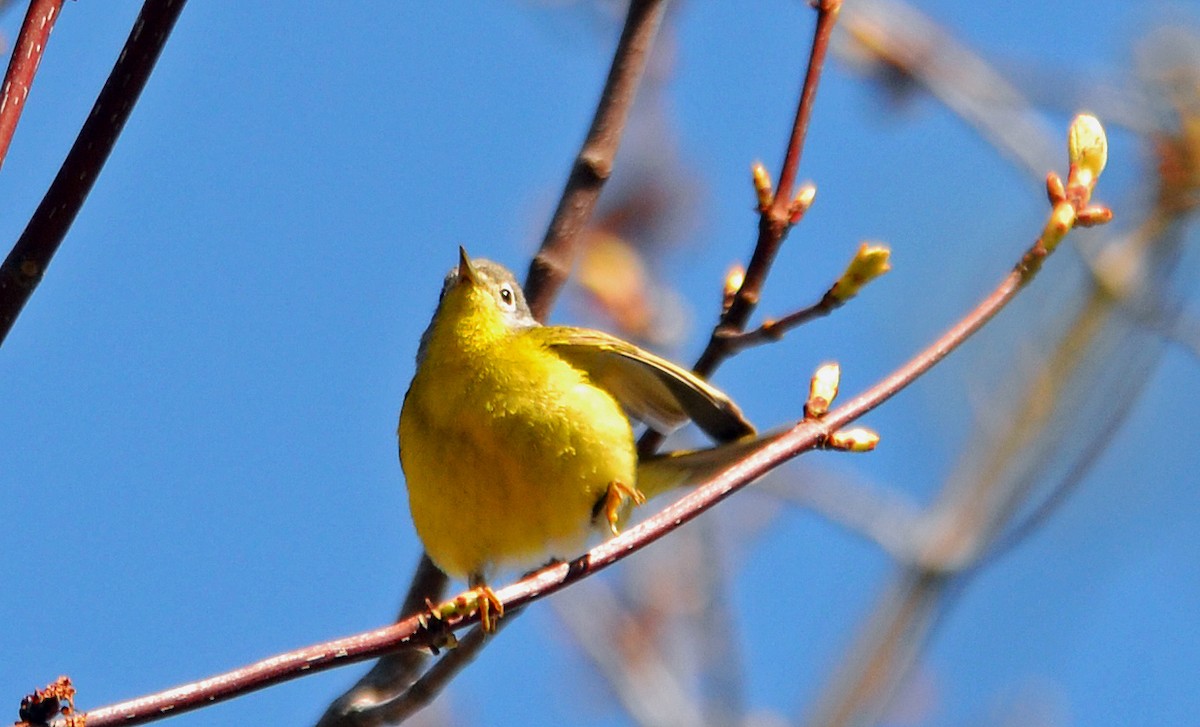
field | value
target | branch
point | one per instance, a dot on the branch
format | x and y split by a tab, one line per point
775	219
26	56
868	263
593	166
420	631
393	673
964	520
24	267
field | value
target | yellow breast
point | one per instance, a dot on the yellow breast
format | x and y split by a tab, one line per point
506	449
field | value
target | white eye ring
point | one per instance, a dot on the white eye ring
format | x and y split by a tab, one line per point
507	298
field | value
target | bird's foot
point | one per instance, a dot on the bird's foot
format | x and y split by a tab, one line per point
480	599
615	497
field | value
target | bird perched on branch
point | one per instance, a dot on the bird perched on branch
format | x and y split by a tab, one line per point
515	438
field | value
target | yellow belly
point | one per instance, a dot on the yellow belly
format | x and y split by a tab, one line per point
504	464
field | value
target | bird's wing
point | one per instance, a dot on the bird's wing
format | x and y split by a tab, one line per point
649	388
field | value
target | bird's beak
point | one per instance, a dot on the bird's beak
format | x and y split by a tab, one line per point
466	271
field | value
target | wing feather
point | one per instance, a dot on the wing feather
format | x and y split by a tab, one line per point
649	388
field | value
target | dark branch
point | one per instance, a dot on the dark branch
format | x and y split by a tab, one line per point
24	267
776	220
393	673
550	267
775	328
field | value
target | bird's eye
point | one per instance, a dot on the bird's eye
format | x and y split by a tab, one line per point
507	297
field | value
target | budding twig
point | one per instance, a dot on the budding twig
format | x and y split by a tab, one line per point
774	220
869	263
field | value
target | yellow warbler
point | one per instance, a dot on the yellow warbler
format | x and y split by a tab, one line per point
515	437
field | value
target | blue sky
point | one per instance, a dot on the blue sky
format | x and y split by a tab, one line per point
200	400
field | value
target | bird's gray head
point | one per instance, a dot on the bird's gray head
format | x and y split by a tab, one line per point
492	277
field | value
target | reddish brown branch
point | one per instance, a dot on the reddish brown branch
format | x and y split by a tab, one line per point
776	220
24	267
26	56
775	328
253	677
827	14
593	166
806	435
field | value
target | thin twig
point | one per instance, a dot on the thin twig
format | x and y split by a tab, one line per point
594	164
775	328
965	519
26	264
412	633
774	220
26	56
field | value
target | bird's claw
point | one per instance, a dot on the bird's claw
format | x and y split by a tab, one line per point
615	497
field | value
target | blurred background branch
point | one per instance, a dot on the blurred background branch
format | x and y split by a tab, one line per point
1039	444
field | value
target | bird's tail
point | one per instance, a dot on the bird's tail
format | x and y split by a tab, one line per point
663	472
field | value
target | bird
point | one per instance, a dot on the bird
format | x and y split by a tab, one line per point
516	440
